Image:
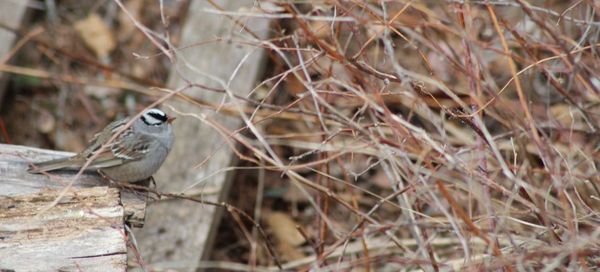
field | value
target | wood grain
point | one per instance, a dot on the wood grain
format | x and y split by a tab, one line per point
15	180
82	232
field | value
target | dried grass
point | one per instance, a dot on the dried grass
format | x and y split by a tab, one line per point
439	136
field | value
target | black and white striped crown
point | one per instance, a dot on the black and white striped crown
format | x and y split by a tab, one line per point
154	117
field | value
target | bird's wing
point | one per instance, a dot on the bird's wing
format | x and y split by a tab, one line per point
127	146
132	147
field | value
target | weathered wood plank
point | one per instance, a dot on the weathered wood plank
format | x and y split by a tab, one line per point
82	232
134	203
178	231
11	16
15	181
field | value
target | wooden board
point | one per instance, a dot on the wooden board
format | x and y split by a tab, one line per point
181	232
15	181
11	16
82	232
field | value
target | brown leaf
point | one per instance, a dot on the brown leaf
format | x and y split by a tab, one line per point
45	121
284	228
96	35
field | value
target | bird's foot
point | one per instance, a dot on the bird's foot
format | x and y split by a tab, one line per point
105	177
152	184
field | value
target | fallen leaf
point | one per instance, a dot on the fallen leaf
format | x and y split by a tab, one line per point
284	228
96	35
288	238
45	121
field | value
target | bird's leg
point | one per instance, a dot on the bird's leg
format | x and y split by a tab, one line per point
152	182
104	177
123	185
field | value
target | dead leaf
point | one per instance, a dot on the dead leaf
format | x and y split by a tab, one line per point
566	115
289	252
288	237
320	29
45	121
96	35
284	228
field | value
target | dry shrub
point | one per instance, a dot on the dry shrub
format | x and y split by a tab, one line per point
440	135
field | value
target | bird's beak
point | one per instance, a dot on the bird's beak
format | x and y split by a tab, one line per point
171	119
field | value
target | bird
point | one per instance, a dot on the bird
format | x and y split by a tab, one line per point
133	156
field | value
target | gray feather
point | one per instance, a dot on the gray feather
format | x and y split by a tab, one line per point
61	163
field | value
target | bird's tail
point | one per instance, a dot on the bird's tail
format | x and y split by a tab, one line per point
61	163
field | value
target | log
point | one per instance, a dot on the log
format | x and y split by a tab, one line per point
15	180
178	231
84	231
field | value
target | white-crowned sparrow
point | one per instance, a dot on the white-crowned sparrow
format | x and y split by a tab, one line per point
135	155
